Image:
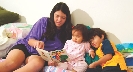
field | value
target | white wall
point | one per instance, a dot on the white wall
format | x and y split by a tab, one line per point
113	16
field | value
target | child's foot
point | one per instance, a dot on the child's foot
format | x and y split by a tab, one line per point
73	70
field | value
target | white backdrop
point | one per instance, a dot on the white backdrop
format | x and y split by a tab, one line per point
113	16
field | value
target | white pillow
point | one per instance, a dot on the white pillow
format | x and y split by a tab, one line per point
3	36
10	33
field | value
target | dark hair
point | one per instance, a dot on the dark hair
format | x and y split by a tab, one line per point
96	31
66	28
83	29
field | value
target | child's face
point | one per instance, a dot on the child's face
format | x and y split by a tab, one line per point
77	36
96	41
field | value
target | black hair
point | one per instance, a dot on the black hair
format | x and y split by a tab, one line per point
83	29
92	32
66	28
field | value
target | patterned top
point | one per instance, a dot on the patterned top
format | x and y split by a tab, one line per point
76	52
36	33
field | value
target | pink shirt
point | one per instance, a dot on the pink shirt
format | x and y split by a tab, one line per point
76	52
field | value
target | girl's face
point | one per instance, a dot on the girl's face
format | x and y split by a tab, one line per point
59	18
77	36
96	41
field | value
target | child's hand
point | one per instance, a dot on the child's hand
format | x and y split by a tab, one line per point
92	54
52	63
73	71
92	65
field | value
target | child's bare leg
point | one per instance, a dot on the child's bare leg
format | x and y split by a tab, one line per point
34	63
13	61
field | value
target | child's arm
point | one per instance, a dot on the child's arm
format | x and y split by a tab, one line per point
92	54
89	50
104	59
87	47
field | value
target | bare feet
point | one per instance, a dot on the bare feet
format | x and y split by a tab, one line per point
73	71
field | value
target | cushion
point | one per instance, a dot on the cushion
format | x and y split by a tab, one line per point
1	8
7	16
3	36
17	30
5	42
10	33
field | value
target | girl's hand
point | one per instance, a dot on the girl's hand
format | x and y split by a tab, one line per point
39	44
92	54
52	63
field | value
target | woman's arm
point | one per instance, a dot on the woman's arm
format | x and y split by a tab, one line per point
32	42
36	44
36	33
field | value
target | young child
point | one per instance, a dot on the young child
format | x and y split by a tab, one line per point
76	49
110	59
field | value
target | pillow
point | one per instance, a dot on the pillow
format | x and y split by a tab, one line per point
10	33
3	36
1	8
7	16
17	30
5	42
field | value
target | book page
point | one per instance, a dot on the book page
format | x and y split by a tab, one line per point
59	55
44	54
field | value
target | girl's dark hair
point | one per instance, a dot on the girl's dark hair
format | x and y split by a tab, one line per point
83	29
96	31
66	28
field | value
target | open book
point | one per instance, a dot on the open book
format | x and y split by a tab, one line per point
57	55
